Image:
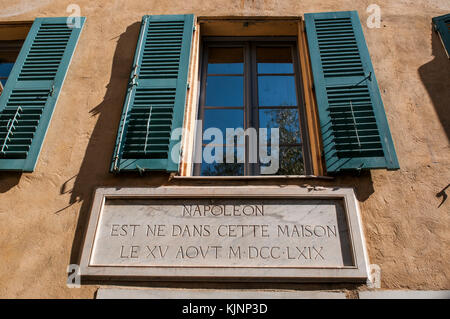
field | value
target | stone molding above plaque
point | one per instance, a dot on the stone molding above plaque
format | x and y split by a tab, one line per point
251	233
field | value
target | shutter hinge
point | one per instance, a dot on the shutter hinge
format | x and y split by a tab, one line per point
140	170
116	170
188	85
133	81
52	90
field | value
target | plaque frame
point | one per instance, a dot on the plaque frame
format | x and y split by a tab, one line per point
357	273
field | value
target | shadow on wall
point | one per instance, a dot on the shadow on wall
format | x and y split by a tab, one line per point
435	75
360	181
94	171
8	180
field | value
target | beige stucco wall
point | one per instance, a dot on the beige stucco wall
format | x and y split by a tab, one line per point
43	214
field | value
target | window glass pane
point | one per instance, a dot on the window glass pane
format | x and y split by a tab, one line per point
225	91
222	119
287	122
275	68
226	68
5	70
234	167
225	60
277	107
274	60
290	160
277	90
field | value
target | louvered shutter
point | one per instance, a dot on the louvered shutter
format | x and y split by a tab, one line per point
442	26
353	122
156	97
32	89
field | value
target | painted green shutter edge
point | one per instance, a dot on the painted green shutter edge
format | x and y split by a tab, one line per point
441	25
349	79
136	82
52	86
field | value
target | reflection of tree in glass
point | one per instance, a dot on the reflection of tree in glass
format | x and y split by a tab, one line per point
291	160
287	122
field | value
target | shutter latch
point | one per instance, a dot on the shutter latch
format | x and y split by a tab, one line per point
52	90
368	77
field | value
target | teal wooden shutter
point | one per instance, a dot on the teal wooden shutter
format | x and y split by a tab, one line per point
441	25
354	127
155	101
32	89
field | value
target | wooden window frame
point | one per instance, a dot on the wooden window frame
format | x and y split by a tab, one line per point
254	26
251	106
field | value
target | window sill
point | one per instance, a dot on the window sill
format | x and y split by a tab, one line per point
272	177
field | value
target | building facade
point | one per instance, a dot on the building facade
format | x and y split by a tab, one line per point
98	94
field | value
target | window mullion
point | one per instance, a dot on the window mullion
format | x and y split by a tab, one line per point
253	106
248	102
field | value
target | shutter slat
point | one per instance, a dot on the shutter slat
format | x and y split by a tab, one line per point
354	127
154	106
31	91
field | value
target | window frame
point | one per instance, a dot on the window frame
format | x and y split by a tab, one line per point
251	105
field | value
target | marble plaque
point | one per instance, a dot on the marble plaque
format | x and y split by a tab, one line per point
253	233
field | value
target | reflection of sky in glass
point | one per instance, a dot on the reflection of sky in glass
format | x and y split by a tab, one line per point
225	68
276	91
223	118
287	122
5	70
225	91
224	168
275	68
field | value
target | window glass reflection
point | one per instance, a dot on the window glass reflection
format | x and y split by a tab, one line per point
290	160
225	61
230	167
276	90
225	91
287	122
274	60
223	118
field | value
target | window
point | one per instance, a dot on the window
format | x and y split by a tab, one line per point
252	83
34	78
311	78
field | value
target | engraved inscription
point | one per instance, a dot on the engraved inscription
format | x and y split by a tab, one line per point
223	233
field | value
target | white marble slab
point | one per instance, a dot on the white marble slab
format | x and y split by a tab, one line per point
253	233
160	293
